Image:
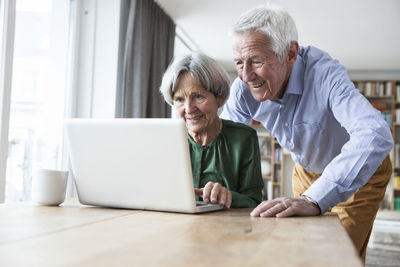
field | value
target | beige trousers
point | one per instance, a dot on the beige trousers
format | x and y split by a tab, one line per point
358	213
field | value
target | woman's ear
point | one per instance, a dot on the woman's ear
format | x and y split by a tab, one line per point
220	101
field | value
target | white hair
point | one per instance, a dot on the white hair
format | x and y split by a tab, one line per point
207	71
274	22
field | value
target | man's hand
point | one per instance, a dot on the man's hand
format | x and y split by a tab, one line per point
286	207
215	193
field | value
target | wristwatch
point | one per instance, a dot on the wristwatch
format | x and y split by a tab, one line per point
309	199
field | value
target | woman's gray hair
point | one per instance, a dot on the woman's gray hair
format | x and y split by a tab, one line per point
273	21
207	71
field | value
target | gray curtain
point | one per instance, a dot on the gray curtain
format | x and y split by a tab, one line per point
148	49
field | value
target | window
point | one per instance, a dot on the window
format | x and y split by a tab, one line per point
37	93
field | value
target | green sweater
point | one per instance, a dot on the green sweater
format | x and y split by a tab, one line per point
233	160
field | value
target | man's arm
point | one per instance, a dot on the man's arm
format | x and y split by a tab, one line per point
235	108
370	142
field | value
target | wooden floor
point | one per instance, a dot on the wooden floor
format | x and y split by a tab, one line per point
384	246
382	258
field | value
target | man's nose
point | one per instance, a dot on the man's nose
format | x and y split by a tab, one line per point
247	73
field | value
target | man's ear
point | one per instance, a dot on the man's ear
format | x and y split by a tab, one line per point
293	50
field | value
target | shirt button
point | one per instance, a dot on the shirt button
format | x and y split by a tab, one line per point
286	124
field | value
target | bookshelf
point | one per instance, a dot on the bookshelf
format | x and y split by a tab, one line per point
384	95
271	163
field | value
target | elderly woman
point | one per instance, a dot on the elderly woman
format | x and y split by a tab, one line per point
225	155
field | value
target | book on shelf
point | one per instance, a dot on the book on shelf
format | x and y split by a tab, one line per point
398	115
276	176
397	203
388	118
388	89
396	182
361	87
357	85
379	89
278	154
397	155
368	89
397	92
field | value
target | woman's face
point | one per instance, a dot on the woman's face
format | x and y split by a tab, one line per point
197	106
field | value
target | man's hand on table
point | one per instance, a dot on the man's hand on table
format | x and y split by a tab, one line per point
286	207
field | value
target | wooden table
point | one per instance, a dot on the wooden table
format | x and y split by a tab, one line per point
77	235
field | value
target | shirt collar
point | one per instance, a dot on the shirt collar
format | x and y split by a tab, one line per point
296	84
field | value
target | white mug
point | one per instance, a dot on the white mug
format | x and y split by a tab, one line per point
49	186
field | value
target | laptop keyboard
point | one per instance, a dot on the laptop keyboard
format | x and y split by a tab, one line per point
201	203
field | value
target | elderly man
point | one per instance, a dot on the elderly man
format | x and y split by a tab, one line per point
339	142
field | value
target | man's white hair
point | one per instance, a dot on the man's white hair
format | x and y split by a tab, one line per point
274	22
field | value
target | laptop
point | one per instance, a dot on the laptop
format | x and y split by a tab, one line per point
134	164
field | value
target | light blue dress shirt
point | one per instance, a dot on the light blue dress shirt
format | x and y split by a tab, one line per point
324	121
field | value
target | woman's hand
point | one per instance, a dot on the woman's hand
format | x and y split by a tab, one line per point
215	193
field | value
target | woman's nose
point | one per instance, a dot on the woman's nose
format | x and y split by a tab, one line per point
189	106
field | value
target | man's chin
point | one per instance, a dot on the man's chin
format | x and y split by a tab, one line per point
260	97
